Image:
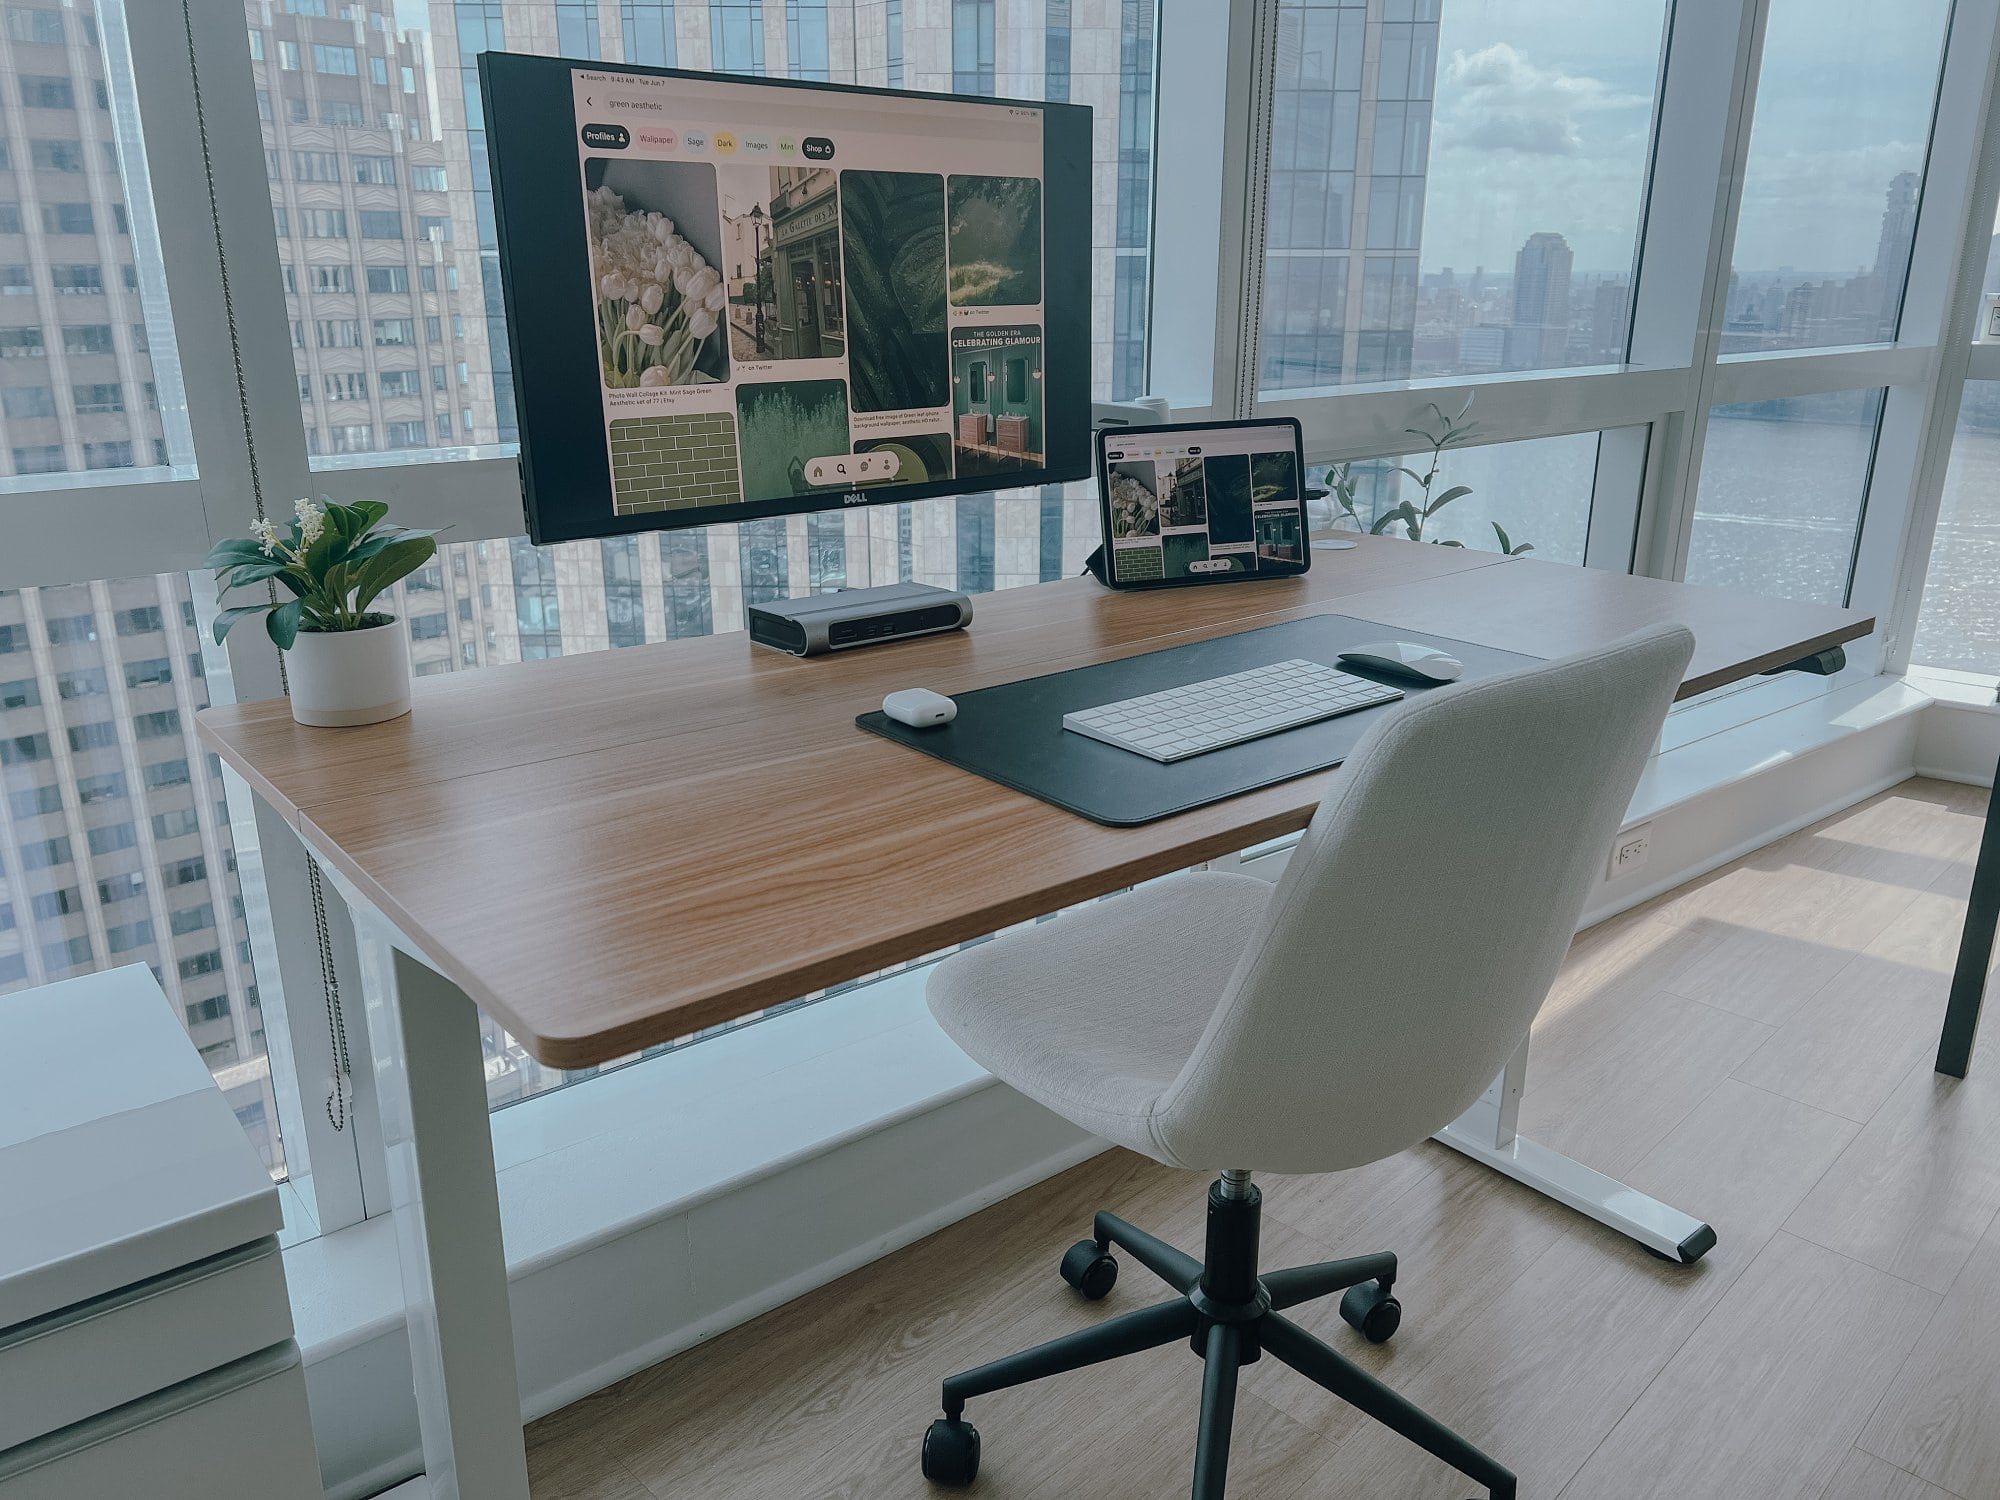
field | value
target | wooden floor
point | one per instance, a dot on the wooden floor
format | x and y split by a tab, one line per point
1754	1047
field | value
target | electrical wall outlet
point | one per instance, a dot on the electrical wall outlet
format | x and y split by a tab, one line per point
1630	852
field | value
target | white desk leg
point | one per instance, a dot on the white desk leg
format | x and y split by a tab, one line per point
1485	1133
432	1086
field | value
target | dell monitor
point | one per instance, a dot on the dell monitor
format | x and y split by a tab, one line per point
732	297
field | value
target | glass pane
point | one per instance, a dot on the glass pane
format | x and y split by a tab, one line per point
1835	169
376	151
114	841
1781	489
1959	625
89	382
1491	167
1531	496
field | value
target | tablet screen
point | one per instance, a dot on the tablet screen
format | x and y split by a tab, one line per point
1194	504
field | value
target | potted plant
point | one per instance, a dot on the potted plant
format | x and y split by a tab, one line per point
346	663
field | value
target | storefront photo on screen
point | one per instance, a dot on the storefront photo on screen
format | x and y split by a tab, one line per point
781	262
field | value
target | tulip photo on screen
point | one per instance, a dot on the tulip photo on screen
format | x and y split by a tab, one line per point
654	237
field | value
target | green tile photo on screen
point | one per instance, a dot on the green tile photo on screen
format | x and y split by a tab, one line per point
655	243
892	228
784	425
996	397
995	241
673	462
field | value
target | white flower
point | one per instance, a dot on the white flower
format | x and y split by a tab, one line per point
312	521
611	285
701	281
654	375
653	334
663	269
663	228
651	298
682	255
717	298
635	319
266	533
701	322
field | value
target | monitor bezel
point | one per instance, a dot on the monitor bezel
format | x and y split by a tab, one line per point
533	161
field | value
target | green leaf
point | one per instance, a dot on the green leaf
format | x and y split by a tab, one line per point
282	624
369	512
236	551
401	558
338	584
1465	408
1420	479
1456	492
1523	550
251	572
1451	544
1501	532
228	617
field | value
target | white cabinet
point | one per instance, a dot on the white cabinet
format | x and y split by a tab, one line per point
145	1334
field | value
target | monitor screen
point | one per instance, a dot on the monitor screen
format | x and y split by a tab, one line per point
729	298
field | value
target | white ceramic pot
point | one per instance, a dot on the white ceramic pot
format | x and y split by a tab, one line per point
349	677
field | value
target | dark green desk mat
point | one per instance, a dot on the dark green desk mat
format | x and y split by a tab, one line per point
1012	733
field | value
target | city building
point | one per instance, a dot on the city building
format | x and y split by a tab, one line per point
1539	334
1350	144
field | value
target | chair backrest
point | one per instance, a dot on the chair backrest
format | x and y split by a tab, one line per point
1424	915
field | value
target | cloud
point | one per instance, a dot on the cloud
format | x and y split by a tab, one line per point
1496	100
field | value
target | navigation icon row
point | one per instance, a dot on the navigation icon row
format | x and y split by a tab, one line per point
852	468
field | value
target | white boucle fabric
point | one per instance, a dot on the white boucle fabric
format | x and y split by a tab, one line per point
1212	1020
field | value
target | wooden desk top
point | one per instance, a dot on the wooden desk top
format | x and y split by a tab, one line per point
613	850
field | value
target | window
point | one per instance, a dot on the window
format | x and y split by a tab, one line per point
444	426
389	278
23	401
433	227
99	736
378	71
84	682
154	673
340	112
56	155
972	46
433	329
99	397
1535	135
176	823
35	802
339	333
22	693
154	726
343	61
338	279
41	26
89	338
1781	489
353	438
16	281
39	91
192	919
1835	171
381	224
348	385
394	332
380	170
21	343
131	935
323	223
316	166
428	179
289	57
427	278
403	434
166	773
185	871
122	887
143	620
67	218
112	838
116	454
77	281
400	383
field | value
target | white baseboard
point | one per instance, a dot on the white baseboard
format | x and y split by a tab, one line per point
1960	741
619	1299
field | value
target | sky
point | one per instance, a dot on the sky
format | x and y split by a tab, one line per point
1544	111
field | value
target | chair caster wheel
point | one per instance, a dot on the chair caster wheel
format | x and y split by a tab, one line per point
951	1453
1090	1270
1371	1309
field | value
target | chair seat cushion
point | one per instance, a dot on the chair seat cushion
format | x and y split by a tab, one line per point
1094	1013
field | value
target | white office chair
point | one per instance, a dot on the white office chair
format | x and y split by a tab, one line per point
1214	1021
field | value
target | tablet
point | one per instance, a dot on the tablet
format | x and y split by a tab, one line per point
1204	502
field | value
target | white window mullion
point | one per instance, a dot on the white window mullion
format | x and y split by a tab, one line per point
1701	138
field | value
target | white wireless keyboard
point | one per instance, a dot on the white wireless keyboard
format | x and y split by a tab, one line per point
1201	716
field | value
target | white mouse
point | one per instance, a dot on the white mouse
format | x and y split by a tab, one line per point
920	708
1404	659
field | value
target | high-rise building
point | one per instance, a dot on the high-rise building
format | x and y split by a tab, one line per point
1351	122
79	386
383	284
1892	249
1539	336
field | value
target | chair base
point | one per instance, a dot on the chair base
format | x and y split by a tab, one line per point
1231	1317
